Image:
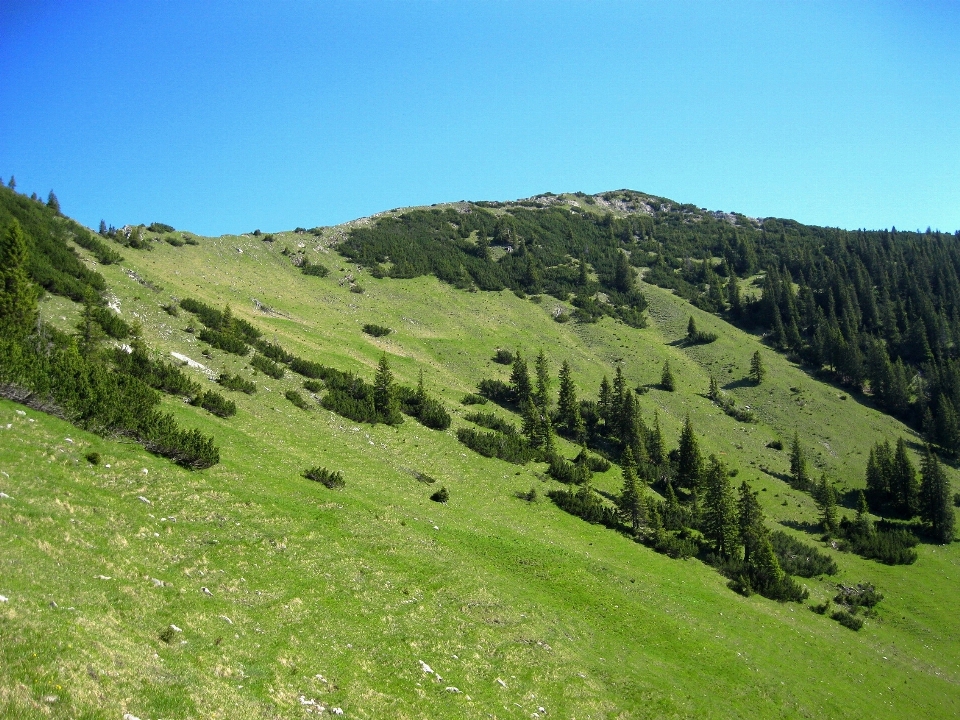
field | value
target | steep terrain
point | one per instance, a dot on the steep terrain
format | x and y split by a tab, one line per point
245	590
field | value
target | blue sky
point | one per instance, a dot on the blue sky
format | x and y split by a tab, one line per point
223	117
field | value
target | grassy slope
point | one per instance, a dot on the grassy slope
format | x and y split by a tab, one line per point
359	585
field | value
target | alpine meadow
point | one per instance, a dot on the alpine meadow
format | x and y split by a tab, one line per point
572	456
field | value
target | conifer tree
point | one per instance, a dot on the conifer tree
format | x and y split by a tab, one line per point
750	521
827	504
689	460
691	329
603	401
666	377
656	448
53	203
520	379
757	370
103	228
616	402
384	395
623	274
542	394
876	481
13	183
672	512
935	506
18	298
734	299
630	501
568	407
719	514
903	482
798	465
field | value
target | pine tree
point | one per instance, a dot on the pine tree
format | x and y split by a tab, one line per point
616	402
666	377
13	183
827	504
714	392
757	370
719	515
18	298
384	395
672	512
798	465
103	228
53	203
623	274
935	506
520	380
734	299
692	330
689	460
630	501
876	481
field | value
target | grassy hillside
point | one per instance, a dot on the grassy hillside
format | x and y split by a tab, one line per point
336	597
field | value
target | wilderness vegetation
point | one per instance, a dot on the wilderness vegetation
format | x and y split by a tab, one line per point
877	313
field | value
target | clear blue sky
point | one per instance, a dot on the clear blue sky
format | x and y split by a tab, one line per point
228	116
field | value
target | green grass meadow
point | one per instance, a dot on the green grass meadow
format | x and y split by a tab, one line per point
319	599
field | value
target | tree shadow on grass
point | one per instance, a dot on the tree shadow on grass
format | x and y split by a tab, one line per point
802	525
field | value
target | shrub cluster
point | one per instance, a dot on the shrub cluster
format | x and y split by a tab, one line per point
297	399
331	479
376	330
235	382
215	403
798	558
314	269
492	421
512	448
473	399
160	375
568	472
228	342
272	351
891	547
267	366
586	505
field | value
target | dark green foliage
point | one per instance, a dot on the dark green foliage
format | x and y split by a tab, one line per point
167	635
585	504
358	289
223	322
18	297
313	386
729	406
861	595
235	382
93	458
847	619
496	390
331	479
48	260
104	254
666	378
273	351
798	558
593	462
530	495
99	398
492	421
224	341
719	518
385	397
799	477
441	495
174	240
697	337
308	368
775	444
889	546
215	403
191	241
112	324
541	244
821	608
171	309
427	410
160	375
512	448
376	330
689	461
935	498
297	399
314	269
160	228
757	370
571	473
266	366
473	399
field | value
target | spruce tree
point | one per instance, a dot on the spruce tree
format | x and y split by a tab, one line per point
798	465
616	402
750	521
757	370
630	501
691	330
672	512
903	482
18	298
935	506
53	203
384	394
656	449
666	377
542	393
520	380
719	514
567	405
603	401
689	460
827	504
